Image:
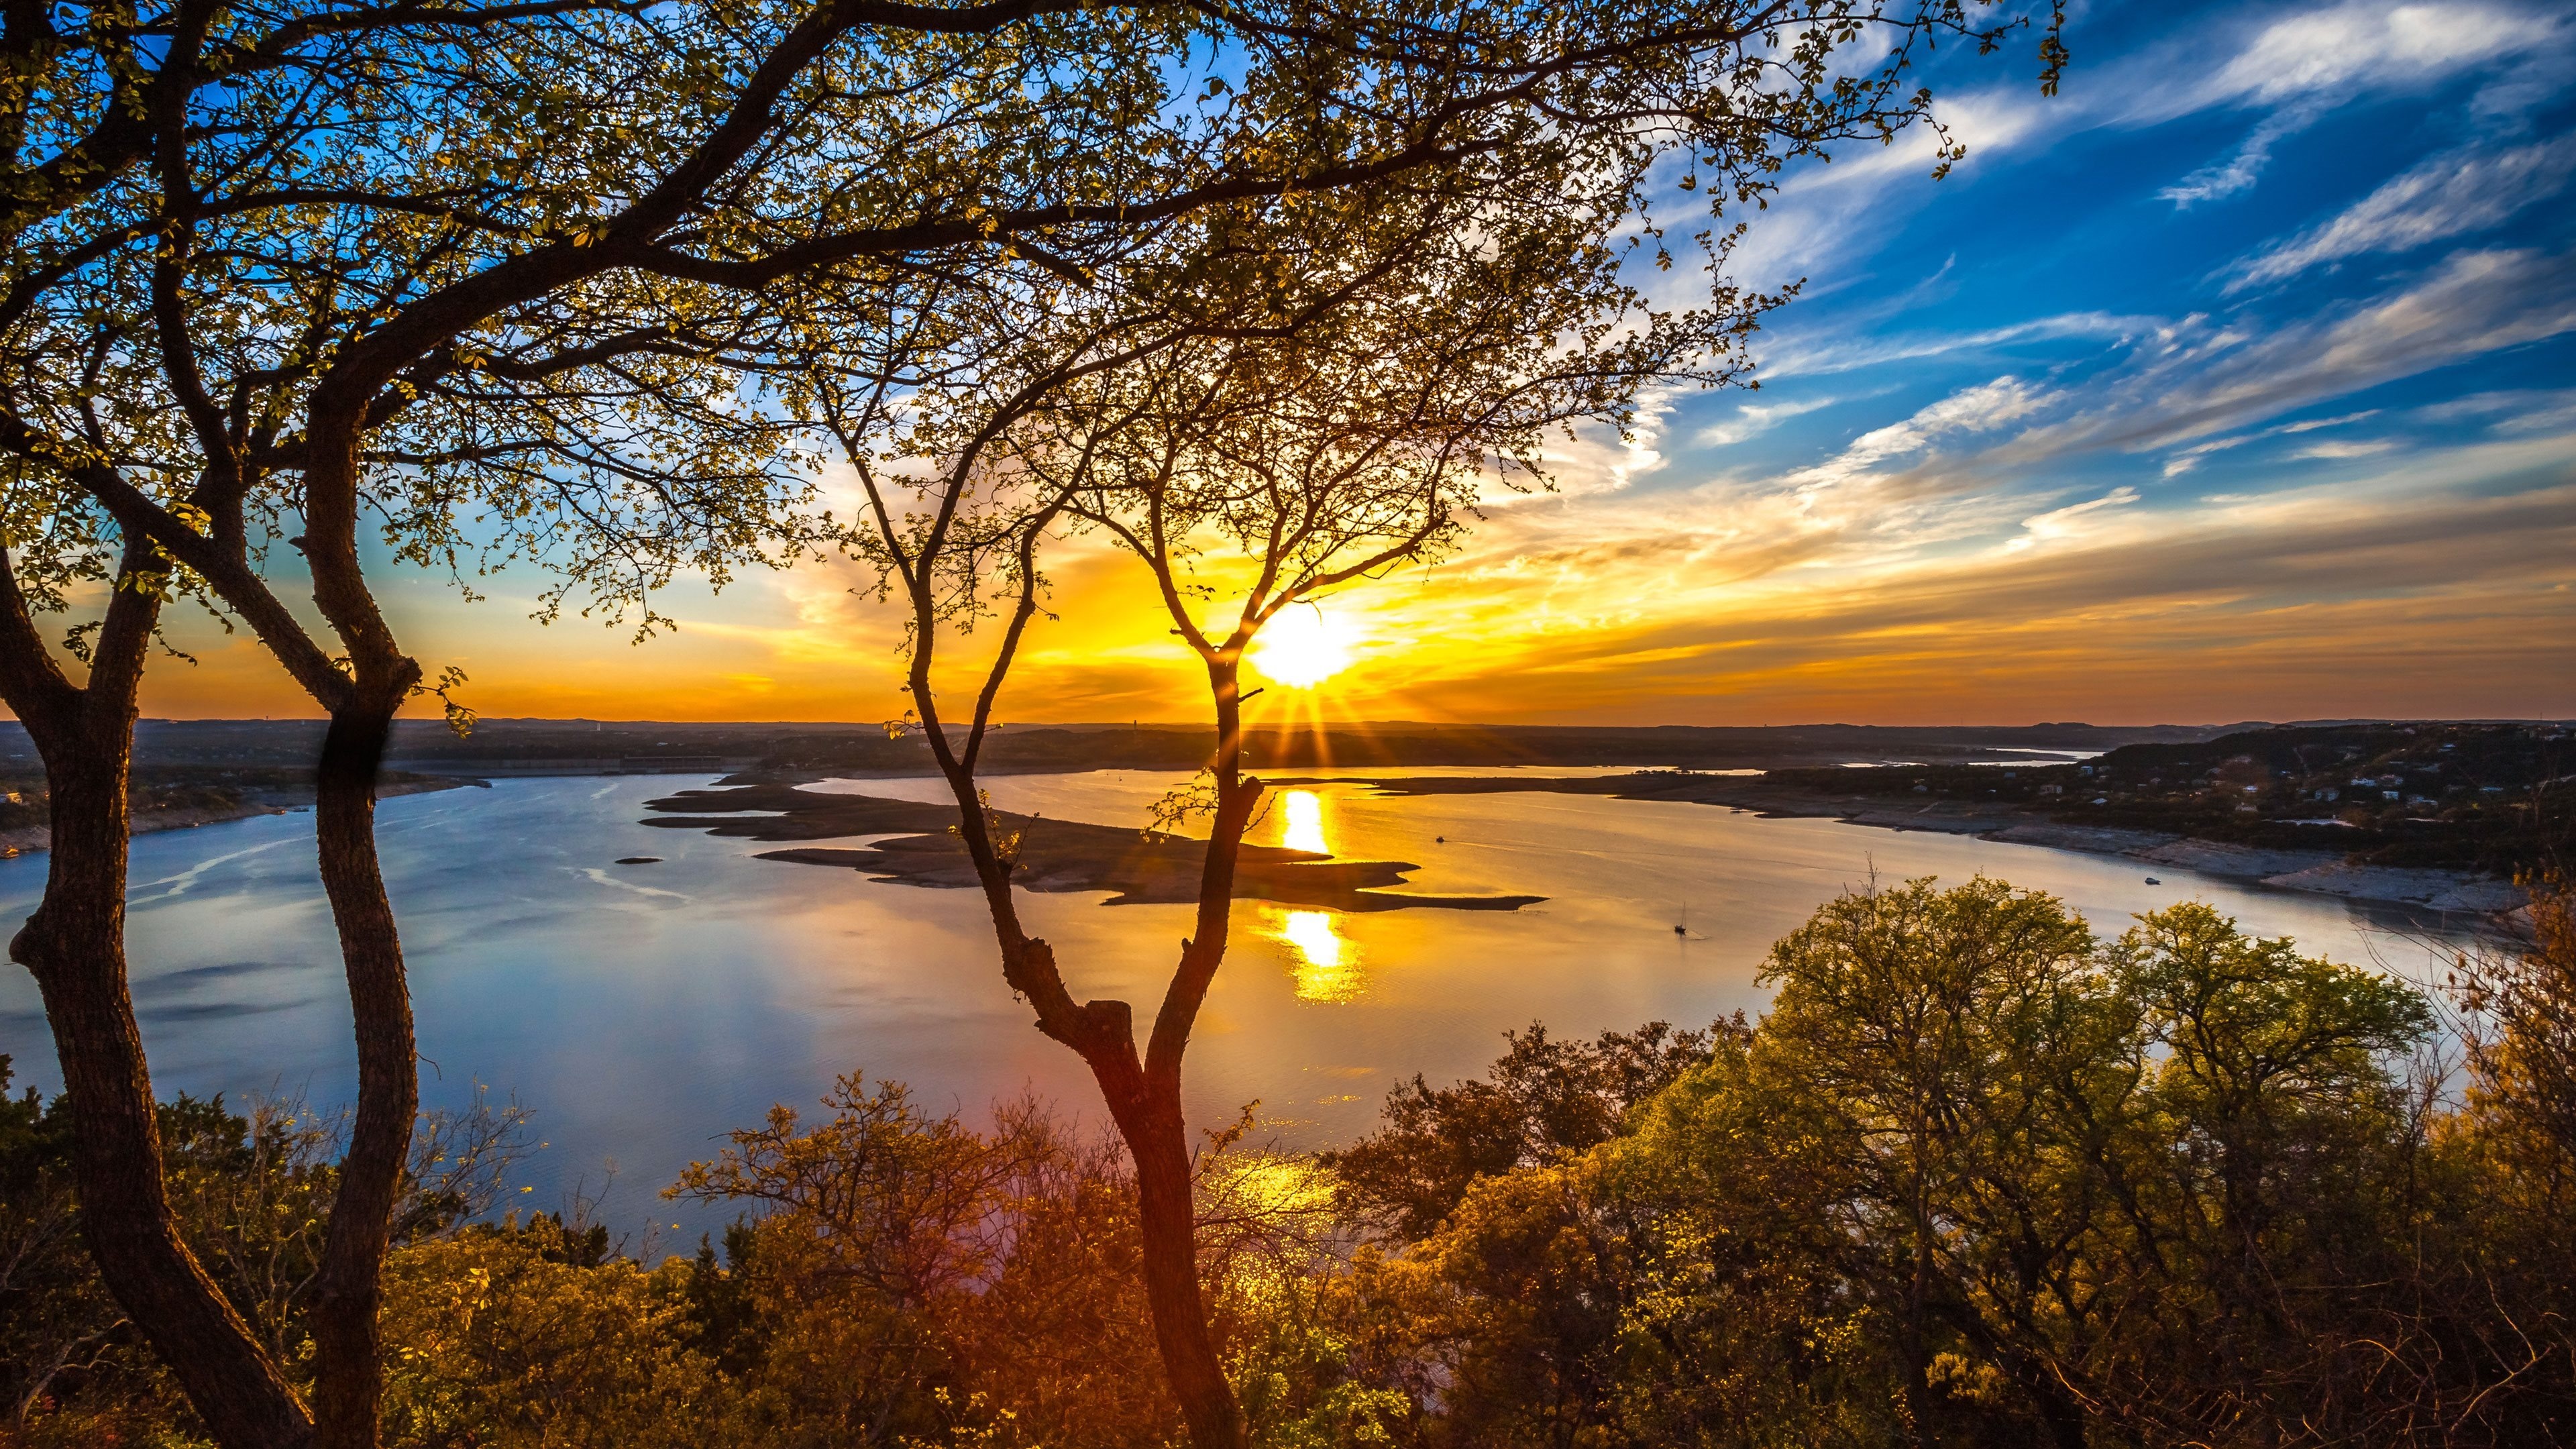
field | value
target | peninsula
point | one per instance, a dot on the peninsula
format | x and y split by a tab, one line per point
1136	867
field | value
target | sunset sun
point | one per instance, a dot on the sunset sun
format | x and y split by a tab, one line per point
1302	648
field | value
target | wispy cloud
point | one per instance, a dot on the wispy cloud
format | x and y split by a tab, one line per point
1754	419
1978	409
2214	378
2301	66
2450	195
2372	44
1845	350
2355	448
2189	458
2512	410
2433	568
2240	171
2067	522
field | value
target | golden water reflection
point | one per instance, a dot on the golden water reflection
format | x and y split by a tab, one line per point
1302	814
1327	966
1268	1185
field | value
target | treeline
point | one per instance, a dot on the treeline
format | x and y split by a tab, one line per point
1978	1177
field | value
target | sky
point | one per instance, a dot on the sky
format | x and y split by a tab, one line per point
2237	381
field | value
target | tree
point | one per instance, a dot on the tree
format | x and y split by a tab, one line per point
249	1191
1544	1101
210	208
2274	1165
1318	386
1943	1057
1995	1181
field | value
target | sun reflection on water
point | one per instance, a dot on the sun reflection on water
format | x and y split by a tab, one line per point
1272	1185
1303	814
1326	966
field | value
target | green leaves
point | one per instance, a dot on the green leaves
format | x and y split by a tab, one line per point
2157	1180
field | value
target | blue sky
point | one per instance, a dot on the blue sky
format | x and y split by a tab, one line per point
2212	178
2237	381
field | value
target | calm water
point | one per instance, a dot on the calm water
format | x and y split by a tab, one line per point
643	1010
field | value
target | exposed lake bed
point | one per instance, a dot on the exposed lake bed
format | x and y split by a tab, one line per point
919	846
644	1009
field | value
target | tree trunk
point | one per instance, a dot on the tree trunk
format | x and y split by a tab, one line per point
1149	1117
1143	1095
75	946
347	1357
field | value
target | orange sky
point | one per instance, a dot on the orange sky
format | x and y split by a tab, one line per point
1716	605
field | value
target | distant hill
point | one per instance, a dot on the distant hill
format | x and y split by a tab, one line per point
506	746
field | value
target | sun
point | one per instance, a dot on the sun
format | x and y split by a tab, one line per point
1302	648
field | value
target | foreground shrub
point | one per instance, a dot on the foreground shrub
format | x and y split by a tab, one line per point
525	1335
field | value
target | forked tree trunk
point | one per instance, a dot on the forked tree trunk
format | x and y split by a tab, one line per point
74	944
1157	1134
1142	1092
347	1359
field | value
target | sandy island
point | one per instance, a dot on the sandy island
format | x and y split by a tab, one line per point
1055	855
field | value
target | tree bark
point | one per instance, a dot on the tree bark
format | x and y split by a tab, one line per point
347	1359
1148	1114
1142	1091
74	945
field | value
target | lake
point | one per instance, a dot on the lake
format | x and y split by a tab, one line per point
641	1011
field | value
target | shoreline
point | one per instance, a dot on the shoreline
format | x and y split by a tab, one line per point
34	839
2315	872
916	845
926	857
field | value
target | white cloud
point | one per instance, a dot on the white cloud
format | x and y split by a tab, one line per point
2446	196
2213	380
2293	68
2068	522
1972	410
2515	410
2312	424
2359	448
1755	418
1794	355
2301	66
2350	47
2240	171
2189	458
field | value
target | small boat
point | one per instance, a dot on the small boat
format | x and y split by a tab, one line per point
2151	880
